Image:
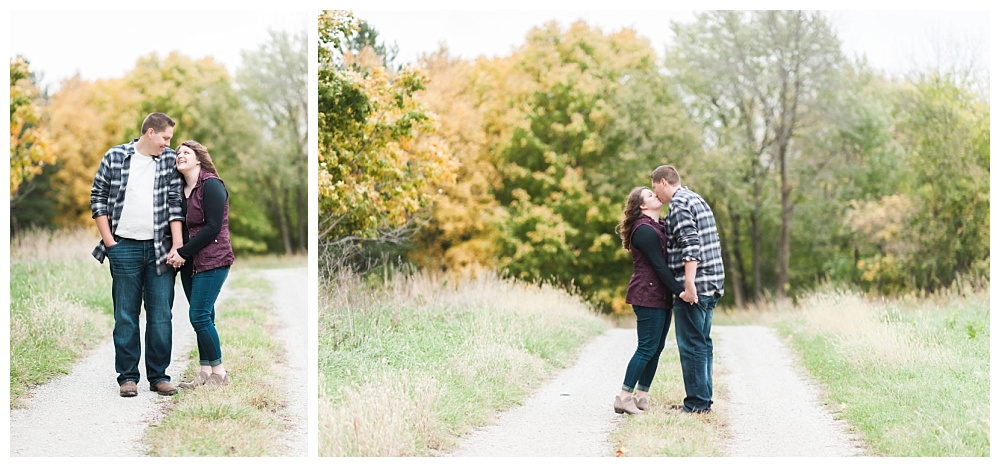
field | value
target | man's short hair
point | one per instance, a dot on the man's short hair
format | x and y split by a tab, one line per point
157	121
668	173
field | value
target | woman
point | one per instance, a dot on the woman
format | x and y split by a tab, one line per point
205	257
650	292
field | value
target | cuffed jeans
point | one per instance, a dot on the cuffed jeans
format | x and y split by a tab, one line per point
134	284
651	327
694	344
202	290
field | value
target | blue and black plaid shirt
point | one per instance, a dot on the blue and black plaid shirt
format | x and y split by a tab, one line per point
693	236
107	197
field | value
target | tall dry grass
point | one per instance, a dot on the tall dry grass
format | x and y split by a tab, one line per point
409	365
60	305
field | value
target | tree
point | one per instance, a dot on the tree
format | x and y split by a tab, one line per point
764	78
86	119
577	125
272	80
376	175
31	146
367	37
460	234
945	130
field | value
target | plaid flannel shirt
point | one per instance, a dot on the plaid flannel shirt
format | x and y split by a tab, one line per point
107	197
693	236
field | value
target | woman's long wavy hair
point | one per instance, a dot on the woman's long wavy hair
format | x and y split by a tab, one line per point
632	213
202	154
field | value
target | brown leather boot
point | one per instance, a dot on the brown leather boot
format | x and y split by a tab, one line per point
163	388
626	406
128	389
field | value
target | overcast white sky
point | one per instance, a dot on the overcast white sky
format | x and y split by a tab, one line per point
106	44
894	41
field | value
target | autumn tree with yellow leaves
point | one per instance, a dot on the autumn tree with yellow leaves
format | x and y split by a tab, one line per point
380	163
31	147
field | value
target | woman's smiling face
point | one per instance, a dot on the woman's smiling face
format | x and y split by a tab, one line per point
186	159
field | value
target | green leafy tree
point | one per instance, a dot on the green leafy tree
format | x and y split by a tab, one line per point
200	95
272	80
945	131
762	79
367	37
31	146
574	136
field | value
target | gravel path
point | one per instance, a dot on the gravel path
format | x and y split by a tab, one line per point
773	409
81	414
290	297
569	416
572	414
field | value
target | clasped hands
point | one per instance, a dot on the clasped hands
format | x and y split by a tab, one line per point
689	296
175	259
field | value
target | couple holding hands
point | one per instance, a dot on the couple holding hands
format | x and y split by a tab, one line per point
162	212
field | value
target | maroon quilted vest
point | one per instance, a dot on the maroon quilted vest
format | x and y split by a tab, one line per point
645	288
219	253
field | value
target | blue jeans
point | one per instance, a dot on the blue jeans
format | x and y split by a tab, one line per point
651	327
694	344
134	285
202	290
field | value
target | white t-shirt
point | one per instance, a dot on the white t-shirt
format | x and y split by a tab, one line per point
137	213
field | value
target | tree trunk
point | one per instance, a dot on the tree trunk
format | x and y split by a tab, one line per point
732	258
277	215
755	238
303	218
287	214
784	241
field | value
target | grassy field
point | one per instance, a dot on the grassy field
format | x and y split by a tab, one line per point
407	368
60	305
912	375
244	418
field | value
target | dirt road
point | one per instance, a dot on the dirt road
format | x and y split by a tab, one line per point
772	409
81	414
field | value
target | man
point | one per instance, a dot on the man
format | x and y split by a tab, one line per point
136	202
694	254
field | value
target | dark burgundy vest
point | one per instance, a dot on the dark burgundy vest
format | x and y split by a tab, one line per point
645	288
219	253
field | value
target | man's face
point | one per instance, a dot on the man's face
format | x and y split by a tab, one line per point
660	188
160	140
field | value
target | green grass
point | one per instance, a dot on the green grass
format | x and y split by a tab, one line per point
407	368
241	419
271	261
60	307
912	375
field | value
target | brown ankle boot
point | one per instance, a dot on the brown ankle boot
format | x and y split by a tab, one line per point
642	403
199	380
626	406
215	380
